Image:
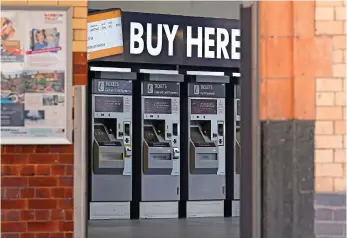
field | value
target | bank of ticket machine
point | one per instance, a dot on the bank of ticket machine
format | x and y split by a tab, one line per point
160	145
206	145
111	163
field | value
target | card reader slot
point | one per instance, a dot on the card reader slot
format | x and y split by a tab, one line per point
220	129
174	129
127	129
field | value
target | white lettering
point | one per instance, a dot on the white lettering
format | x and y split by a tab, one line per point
206	87
136	38
209	43
222	43
235	44
151	50
114	84
161	86
170	37
194	41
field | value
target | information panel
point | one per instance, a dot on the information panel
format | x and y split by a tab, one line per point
157	106
204	106
108	104
34	79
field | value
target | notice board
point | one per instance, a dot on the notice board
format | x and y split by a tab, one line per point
36	81
105	34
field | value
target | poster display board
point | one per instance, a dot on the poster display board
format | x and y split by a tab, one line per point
35	77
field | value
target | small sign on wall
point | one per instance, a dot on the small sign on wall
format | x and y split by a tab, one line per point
104	34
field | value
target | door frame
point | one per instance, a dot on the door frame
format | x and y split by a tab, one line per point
251	166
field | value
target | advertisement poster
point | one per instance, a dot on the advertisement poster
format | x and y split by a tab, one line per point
11	38
33	76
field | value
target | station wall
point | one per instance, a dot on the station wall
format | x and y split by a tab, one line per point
303	88
330	134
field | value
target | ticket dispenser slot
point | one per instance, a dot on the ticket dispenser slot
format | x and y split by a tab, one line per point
111	144
203	151
157	152
108	152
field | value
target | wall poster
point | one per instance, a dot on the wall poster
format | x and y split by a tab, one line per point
35	85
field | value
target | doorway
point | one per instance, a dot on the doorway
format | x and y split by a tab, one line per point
222	227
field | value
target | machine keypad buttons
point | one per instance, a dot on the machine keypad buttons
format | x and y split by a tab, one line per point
174	141
127	140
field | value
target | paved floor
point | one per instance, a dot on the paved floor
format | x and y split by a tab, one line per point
166	228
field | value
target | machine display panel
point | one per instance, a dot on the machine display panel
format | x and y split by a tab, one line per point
204	106
100	134
157	106
108	104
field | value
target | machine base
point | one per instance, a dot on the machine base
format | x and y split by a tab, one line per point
109	210
158	209
205	208
235	208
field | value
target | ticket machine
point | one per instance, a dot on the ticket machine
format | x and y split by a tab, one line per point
160	145
205	147
111	143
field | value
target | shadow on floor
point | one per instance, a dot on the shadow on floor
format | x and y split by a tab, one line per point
166	228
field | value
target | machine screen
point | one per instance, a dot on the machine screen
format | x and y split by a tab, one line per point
204	106
108	104
157	106
100	134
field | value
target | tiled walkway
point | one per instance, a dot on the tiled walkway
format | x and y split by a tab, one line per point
166	228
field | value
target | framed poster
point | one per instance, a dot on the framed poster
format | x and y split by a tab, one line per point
36	75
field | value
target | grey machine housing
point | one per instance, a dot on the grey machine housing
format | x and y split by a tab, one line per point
160	160
206	133
111	162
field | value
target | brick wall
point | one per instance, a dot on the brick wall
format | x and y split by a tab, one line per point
330	135
37	181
